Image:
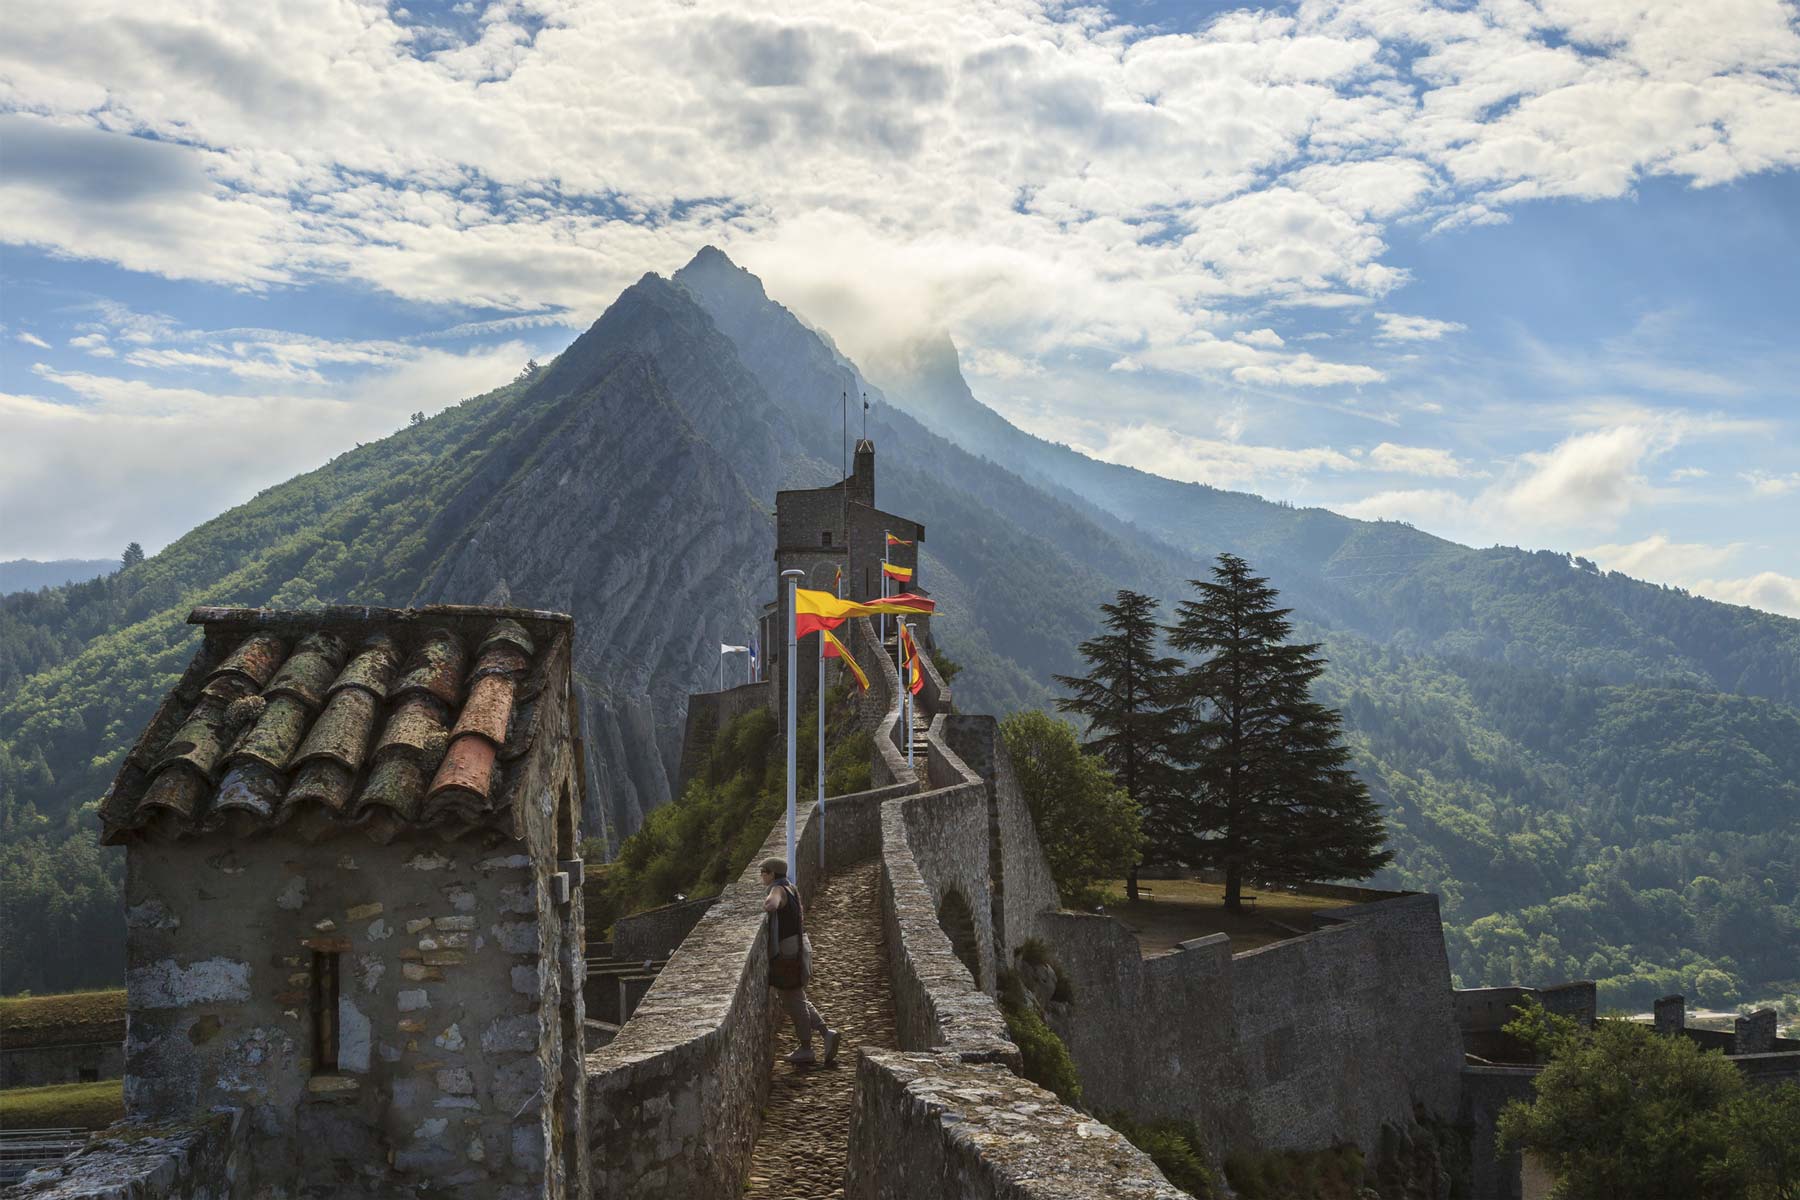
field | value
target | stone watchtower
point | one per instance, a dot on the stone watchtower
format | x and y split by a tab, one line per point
824	530
352	893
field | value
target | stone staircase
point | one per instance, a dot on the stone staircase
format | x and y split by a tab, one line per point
613	989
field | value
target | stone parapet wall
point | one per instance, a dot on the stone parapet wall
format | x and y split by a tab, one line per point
1320	1038
674	1100
656	932
1020	876
933	1125
198	1159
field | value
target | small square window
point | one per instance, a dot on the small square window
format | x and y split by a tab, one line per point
89	1074
825	538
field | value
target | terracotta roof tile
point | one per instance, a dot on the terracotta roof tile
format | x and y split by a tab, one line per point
436	666
465	779
255	660
276	734
343	730
349	718
488	709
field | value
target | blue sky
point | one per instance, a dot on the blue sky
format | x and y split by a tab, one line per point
1514	272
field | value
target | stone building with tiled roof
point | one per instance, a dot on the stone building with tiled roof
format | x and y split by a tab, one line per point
352	891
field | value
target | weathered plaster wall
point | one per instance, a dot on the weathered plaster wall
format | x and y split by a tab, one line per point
196	1159
442	1071
67	1062
932	1125
673	1100
1295	1045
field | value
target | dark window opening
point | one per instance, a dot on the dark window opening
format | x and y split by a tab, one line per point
825	538
325	1011
89	1074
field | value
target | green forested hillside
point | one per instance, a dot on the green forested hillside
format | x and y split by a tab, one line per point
1598	775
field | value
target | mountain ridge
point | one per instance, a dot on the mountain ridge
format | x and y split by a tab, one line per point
629	482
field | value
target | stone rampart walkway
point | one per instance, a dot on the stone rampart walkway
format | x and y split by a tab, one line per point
804	1144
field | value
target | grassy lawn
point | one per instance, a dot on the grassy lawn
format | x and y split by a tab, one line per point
63	1106
1175	910
69	1017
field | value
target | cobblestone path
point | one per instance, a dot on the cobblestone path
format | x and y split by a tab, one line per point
805	1139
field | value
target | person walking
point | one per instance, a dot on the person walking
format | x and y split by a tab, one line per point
790	963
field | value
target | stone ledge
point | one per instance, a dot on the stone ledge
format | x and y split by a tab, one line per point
142	1160
930	1124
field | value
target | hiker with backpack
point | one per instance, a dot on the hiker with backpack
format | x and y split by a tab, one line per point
790	963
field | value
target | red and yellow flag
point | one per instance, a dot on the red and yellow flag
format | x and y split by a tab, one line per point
896	571
915	673
894	541
815	610
835	649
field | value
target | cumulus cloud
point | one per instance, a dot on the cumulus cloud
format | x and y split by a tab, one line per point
1030	174
1216	461
1767	590
1589	480
1415	460
92	461
1764	483
1396	327
31	339
1659	558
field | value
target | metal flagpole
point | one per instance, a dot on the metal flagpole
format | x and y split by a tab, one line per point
906	700
821	752
792	575
885	535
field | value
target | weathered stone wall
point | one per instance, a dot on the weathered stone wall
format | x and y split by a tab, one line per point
440	1073
673	1100
196	1159
1485	1091
709	712
66	1062
1295	1045
1020	880
656	932
933	1125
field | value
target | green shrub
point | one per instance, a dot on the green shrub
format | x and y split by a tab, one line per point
1334	1174
1046	1060
1177	1149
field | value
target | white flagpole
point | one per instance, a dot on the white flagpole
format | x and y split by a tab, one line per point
821	752
792	575
906	700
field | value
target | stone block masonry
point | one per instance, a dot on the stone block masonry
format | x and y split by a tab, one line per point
437	1073
932	1125
673	1100
197	1159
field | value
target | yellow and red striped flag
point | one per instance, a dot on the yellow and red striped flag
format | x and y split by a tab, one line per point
915	674
836	649
816	610
896	571
894	541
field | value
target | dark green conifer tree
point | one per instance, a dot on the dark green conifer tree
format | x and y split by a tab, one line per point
1126	699
1268	791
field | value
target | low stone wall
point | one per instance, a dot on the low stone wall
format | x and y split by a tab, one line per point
936	1002
1019	876
674	1099
1485	1091
69	1062
1320	1038
656	932
932	1125
197	1159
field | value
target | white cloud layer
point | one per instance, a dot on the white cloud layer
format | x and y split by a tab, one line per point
1032	175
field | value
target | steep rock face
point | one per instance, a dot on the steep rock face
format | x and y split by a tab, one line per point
639	503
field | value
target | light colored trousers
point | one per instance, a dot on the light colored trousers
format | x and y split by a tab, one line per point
799	1009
